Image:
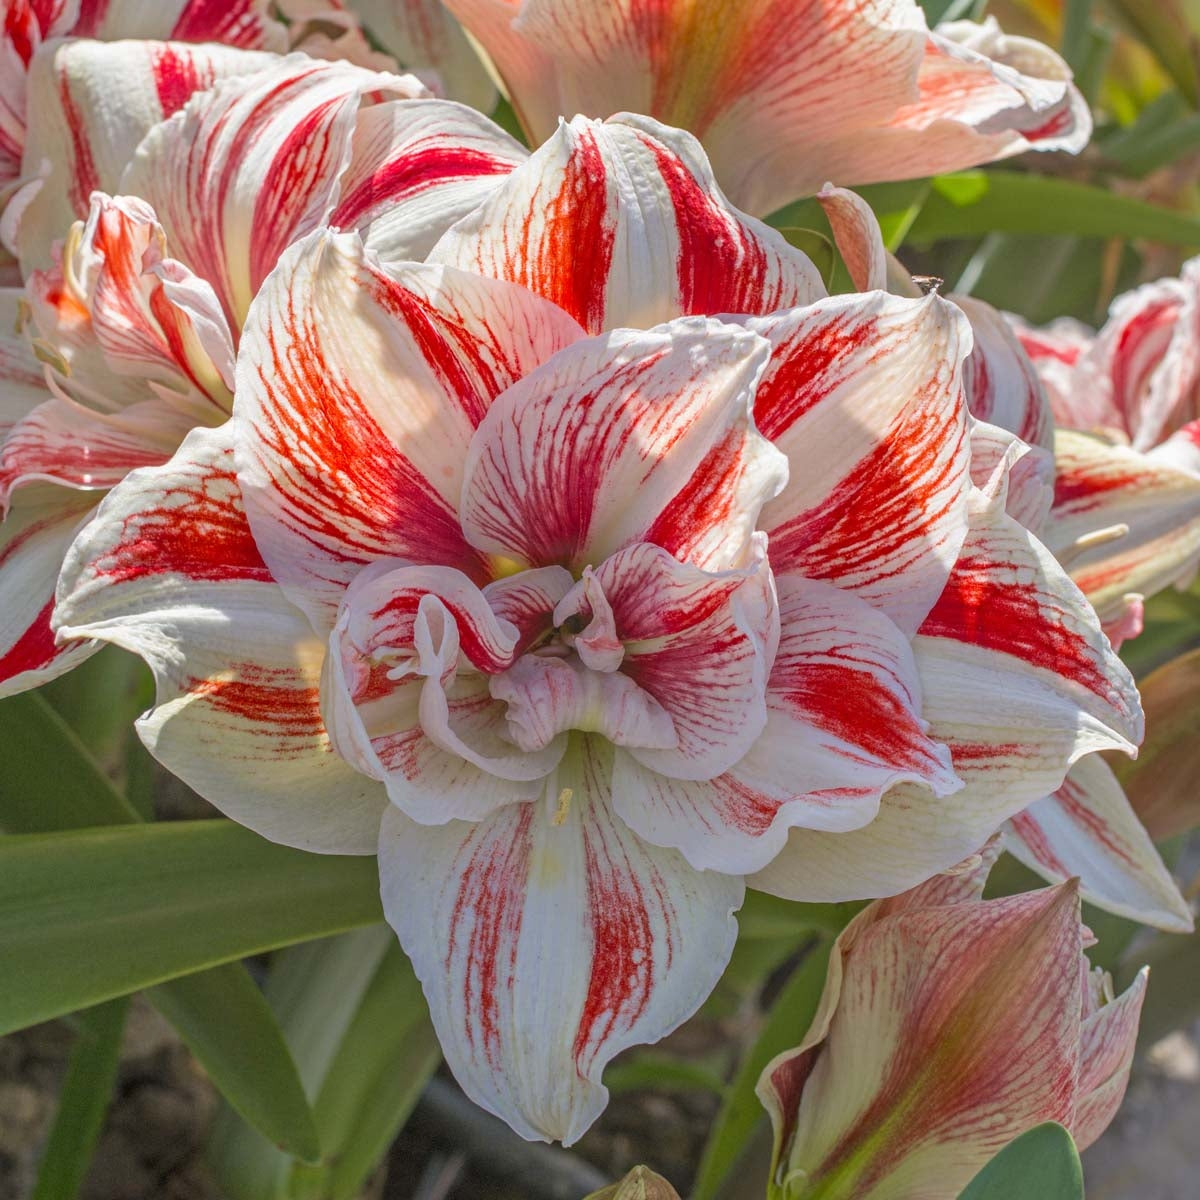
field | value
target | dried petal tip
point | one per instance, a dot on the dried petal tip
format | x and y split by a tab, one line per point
640	1184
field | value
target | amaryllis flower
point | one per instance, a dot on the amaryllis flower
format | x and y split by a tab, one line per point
948	1026
1087	828
137	323
583	627
1127	401
786	95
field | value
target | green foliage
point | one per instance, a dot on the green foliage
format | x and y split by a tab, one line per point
1042	1162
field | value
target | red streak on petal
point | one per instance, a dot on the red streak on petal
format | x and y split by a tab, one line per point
35	648
176	77
264	697
84	178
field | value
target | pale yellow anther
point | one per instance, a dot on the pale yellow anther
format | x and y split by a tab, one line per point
503	566
564	805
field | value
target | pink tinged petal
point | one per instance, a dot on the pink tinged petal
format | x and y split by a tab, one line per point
548	938
90	104
858	237
1088	829
251	166
1055	349
1107	1043
405	702
700	644
1101	486
34	536
863	394
359	389
843	726
170	571
596	643
918	1083
769	86
528	600
424	37
621	224
1000	380
243	23
417	167
626	437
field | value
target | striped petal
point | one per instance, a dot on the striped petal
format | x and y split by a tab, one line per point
622	438
359	389
416	167
1099	486
242	23
1019	682
1088	829
910	1084
548	938
843	726
249	167
863	394
621	223
169	570
34	536
90	104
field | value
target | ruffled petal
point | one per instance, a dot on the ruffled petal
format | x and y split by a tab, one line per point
864	396
90	104
254	164
1101	486
1088	829
621	223
548	938
843	727
359	388
34	536
169	570
623	438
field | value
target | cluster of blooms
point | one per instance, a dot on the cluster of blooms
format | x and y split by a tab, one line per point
538	522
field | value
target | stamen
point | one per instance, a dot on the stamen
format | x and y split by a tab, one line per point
564	806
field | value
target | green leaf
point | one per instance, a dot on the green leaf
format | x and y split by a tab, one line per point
50	780
1163	27
786	1025
82	1101
816	245
972	203
1042	1162
229	1027
86	915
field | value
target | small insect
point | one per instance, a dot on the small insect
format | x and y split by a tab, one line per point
927	283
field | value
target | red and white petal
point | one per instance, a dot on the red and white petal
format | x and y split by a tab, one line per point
621	223
242	23
548	938
863	394
767	89
424	37
254	164
917	1084
1018	681
90	104
1146	359
843	727
627	437
1100	485
1089	829
1107	1043
65	443
701	645
34	536
417	167
858	236
169	570
1055	349
359	388
1001	382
